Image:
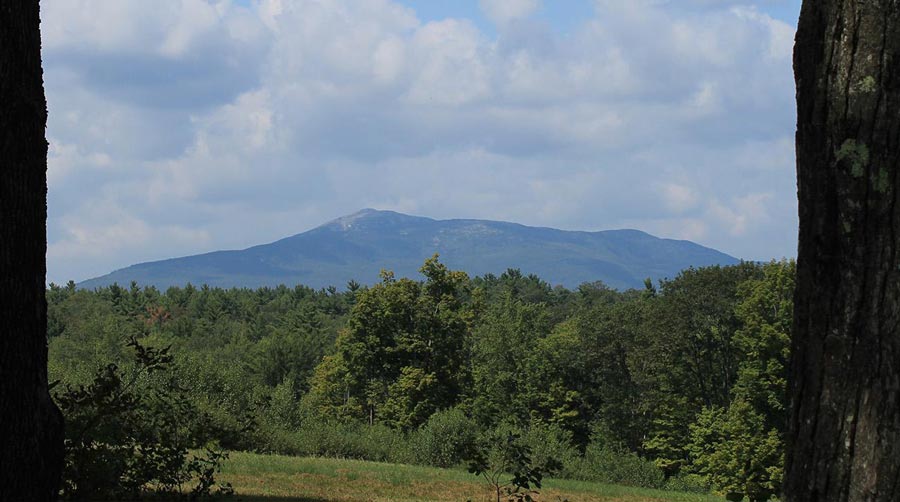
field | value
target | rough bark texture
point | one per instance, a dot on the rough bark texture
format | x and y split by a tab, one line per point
844	431
31	449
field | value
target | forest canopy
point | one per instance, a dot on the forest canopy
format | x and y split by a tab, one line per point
679	384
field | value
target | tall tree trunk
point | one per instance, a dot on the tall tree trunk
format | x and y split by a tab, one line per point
844	431
31	448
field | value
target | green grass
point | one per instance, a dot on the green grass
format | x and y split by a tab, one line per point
276	478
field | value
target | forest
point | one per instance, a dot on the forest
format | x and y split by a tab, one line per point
678	385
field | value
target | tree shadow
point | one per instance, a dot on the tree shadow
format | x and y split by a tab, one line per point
274	498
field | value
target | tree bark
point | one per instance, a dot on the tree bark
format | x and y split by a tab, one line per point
844	430
31	440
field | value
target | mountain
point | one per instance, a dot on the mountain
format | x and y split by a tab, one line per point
358	246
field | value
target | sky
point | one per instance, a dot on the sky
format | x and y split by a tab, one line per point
183	126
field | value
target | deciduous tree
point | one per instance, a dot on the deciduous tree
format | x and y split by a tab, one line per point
844	380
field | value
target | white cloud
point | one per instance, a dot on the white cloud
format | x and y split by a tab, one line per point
186	125
679	198
450	66
742	214
781	39
63	159
502	12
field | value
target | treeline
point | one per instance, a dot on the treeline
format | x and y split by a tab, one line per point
680	384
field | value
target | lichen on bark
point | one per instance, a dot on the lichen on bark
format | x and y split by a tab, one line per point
855	155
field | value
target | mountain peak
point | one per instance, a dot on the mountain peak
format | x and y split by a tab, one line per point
366	211
378	217
347	221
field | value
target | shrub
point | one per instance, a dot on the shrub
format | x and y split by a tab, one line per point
274	439
607	460
130	431
444	439
327	438
549	444
230	402
686	483
380	443
336	439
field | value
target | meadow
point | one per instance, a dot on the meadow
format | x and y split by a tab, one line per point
277	478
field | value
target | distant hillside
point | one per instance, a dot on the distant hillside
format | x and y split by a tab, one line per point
360	245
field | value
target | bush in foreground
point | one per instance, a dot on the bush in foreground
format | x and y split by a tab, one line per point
128	432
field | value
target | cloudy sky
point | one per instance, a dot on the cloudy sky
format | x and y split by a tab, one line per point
184	126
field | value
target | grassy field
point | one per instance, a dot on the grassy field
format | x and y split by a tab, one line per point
274	478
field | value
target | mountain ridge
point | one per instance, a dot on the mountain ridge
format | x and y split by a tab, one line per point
357	246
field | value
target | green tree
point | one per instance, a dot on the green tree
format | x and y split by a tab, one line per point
402	354
739	449
734	452
688	354
611	369
551	378
297	342
766	313
502	345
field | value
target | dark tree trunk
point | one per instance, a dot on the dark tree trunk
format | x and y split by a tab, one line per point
844	431
31	448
